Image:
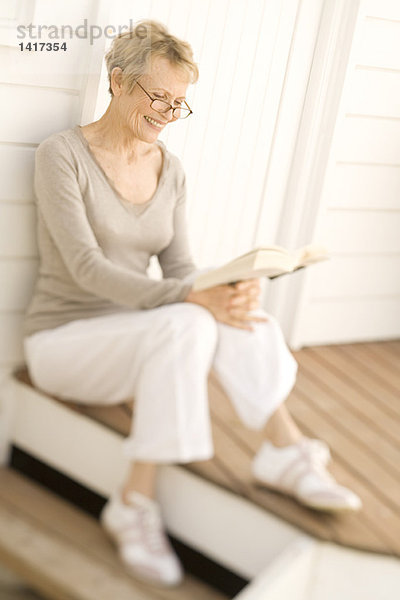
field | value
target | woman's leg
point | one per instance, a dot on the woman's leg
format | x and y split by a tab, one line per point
160	357
258	372
281	429
141	478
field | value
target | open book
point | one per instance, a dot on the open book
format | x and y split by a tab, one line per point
267	261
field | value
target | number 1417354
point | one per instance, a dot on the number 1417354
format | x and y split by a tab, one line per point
43	46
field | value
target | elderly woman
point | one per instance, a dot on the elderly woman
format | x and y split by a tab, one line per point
99	330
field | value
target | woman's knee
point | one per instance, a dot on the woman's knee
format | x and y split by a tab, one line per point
193	320
198	319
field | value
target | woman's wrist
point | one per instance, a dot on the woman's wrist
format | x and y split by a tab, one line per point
190	296
196	298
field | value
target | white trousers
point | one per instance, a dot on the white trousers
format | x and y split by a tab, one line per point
162	358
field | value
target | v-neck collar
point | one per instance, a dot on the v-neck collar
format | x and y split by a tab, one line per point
137	208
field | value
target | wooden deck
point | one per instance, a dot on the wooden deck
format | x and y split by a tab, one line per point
348	395
63	554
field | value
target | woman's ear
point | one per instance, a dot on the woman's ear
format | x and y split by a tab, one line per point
116	81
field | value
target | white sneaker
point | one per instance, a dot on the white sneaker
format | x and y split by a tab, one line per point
299	471
143	546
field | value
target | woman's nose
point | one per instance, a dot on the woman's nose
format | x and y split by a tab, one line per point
170	115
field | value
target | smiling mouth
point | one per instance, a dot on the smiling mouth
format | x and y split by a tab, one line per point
153	122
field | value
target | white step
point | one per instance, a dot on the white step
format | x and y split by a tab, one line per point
197	512
282	562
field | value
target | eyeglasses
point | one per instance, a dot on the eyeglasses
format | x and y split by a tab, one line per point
161	106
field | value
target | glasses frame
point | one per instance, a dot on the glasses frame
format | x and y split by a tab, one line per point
174	108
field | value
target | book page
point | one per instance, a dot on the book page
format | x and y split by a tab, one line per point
272	249
310	254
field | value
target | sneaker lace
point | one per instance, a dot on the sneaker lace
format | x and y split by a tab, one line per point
319	448
317	466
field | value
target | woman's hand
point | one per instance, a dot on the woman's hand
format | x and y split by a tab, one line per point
231	304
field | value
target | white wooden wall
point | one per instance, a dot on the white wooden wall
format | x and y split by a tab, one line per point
40	93
357	296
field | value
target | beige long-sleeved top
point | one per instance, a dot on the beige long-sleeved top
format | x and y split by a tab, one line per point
95	246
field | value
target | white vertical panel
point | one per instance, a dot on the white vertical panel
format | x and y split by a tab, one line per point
9	11
216	65
41	93
126	12
244	123
179	21
12	14
16	173
17	230
49	110
300	59
357	297
161	9
222	129
17	278
259	121
52	69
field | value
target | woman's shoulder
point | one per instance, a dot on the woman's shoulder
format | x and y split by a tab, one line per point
58	136
58	144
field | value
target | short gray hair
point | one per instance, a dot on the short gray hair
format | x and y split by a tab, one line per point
133	49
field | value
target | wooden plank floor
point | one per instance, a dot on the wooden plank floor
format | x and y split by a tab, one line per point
64	554
13	588
348	395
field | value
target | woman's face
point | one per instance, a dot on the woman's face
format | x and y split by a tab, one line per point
163	80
